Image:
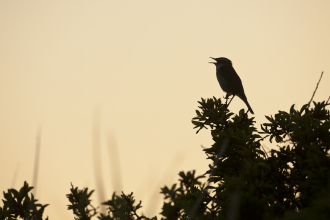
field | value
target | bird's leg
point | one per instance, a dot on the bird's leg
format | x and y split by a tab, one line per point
227	97
230	100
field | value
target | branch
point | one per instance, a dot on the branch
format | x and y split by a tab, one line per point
315	90
261	139
327	101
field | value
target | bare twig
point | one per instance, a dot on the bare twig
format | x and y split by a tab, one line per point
261	139
327	101
36	160
315	90
97	155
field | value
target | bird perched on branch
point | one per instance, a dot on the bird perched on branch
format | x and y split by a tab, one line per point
229	80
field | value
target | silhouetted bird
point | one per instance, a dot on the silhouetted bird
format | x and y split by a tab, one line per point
229	80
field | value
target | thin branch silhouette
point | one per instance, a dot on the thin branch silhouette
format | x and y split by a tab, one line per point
315	90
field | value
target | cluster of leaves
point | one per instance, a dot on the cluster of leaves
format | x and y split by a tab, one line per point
119	207
244	181
123	207
18	204
81	203
292	182
180	200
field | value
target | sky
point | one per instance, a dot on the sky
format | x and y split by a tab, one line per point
107	89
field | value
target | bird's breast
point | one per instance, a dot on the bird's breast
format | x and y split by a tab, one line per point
222	81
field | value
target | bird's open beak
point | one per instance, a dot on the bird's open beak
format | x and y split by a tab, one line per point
213	59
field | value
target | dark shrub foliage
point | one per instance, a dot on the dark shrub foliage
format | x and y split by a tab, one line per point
18	204
243	180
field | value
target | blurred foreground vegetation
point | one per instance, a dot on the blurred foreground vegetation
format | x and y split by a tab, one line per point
243	180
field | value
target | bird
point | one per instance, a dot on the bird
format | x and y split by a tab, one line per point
229	80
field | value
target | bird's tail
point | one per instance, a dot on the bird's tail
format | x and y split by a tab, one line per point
248	105
244	99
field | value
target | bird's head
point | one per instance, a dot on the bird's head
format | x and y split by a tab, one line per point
221	61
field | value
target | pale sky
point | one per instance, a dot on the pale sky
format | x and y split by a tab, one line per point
134	71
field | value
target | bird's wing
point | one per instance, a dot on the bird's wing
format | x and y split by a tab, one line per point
234	81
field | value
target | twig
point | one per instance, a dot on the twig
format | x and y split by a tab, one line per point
315	90
261	139
227	97
201	127
327	101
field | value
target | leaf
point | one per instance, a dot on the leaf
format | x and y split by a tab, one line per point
278	139
198	113
269	118
303	108
255	136
292	109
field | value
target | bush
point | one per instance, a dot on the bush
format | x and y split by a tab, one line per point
244	181
19	204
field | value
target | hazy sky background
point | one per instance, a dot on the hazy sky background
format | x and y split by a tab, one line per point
132	72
